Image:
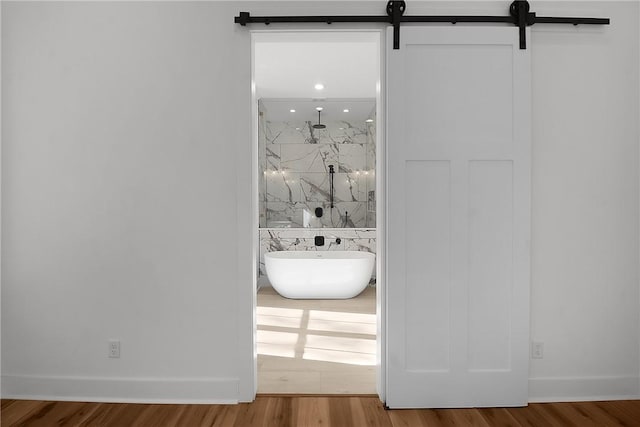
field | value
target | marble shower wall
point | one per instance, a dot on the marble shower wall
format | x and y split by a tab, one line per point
371	166
304	240
294	161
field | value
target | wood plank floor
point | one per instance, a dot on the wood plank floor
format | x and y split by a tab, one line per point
316	346
301	411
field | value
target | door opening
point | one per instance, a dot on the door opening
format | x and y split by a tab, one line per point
317	189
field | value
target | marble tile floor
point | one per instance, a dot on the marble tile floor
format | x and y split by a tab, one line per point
316	346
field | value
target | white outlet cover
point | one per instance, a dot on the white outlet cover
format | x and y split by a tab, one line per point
114	349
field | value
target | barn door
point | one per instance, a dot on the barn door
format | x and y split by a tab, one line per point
458	159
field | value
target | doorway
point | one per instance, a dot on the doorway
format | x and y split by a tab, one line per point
316	100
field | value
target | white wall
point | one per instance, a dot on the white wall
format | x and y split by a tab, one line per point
119	219
119	216
585	204
0	201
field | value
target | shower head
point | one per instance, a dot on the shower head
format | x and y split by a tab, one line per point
319	125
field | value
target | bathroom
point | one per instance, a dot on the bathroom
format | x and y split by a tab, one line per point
316	185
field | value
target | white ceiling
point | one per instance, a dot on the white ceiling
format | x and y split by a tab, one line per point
288	64
279	110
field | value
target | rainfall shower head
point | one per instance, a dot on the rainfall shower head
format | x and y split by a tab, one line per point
319	125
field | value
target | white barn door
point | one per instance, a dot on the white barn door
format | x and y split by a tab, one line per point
458	224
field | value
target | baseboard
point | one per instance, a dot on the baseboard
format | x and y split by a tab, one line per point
124	390
583	389
225	390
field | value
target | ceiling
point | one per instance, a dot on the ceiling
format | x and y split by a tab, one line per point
279	110
290	64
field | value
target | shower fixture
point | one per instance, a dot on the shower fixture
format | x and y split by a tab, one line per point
319	125
331	172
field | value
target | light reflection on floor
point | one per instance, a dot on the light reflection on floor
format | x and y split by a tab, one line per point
316	346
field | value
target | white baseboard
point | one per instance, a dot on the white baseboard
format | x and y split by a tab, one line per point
125	390
583	389
225	390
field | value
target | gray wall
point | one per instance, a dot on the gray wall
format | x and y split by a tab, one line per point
119	218
584	267
120	221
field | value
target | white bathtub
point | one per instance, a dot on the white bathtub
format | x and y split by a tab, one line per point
319	275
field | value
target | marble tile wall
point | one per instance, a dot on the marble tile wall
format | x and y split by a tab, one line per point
294	161
289	239
371	179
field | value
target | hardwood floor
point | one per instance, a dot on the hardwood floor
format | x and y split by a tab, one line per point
326	411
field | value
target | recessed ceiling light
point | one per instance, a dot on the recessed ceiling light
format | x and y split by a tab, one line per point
319	86
292	111
369	121
346	110
318	108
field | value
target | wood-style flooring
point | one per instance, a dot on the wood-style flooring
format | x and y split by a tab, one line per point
325	411
316	346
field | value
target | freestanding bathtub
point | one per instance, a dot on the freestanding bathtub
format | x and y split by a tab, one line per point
319	275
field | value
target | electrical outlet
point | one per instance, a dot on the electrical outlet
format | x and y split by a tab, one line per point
537	350
114	348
